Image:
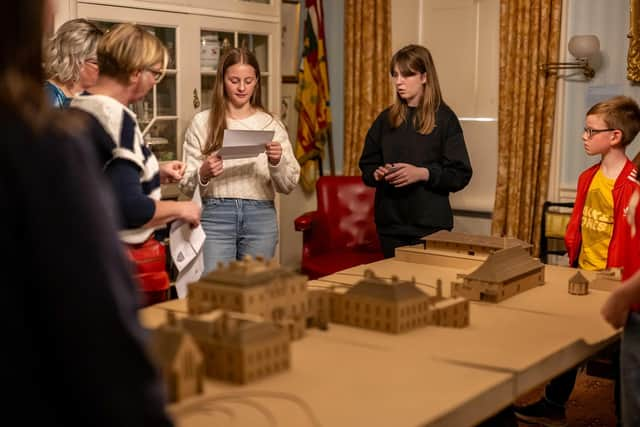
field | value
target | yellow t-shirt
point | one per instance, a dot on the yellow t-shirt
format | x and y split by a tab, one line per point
597	223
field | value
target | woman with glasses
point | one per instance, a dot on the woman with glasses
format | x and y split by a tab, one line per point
71	65
132	61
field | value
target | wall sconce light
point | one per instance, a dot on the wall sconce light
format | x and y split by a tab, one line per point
582	48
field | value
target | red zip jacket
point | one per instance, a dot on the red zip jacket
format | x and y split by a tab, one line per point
624	250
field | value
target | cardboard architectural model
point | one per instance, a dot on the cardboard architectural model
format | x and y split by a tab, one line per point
257	287
222	345
395	306
503	274
606	280
578	284
470	244
178	358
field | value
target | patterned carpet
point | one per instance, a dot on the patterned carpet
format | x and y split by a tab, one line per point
591	403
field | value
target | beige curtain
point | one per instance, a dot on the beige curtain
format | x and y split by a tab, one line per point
367	49
633	56
529	36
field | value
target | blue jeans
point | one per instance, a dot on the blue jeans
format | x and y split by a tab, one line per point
630	371
236	228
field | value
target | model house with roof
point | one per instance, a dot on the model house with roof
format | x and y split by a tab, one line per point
470	244
178	358
503	274
395	306
254	286
239	348
578	284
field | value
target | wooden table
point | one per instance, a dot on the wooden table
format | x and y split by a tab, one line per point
432	376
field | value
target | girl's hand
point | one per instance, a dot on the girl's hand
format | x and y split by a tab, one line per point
211	167
403	174
274	152
380	173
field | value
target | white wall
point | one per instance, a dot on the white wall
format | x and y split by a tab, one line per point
610	22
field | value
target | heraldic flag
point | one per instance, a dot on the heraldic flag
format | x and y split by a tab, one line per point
312	97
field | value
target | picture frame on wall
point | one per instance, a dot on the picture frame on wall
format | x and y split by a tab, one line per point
291	11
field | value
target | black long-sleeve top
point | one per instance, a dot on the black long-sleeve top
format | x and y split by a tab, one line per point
75	351
423	207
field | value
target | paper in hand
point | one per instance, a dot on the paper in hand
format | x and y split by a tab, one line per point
242	144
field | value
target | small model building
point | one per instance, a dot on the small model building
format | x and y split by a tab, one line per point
503	274
578	284
470	244
232	347
254	286
606	280
395	306
179	359
237	348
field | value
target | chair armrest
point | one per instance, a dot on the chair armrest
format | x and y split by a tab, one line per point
305	221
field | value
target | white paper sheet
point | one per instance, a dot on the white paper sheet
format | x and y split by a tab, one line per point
191	273
240	144
186	250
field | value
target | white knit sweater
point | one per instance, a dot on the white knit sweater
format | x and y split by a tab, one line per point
252	178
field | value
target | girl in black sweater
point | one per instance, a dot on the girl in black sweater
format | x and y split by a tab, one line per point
414	155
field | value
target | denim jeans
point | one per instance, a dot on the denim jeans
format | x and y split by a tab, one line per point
630	371
235	228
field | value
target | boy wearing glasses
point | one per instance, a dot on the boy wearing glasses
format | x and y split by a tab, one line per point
598	235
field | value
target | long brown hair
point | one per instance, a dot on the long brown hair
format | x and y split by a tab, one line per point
21	74
218	113
410	60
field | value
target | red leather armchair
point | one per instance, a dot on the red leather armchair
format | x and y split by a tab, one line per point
341	233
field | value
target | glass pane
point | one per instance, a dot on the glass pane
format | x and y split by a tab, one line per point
258	44
212	45
143	110
162	138
206	83
166	96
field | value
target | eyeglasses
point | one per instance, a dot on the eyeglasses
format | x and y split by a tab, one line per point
157	74
590	132
91	61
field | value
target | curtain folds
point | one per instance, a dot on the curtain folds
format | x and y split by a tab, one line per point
633	56
367	86
529	36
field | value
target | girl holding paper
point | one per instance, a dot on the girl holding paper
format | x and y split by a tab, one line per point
238	213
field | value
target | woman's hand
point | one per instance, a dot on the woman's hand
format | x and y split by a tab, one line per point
171	171
403	174
190	212
274	152
211	167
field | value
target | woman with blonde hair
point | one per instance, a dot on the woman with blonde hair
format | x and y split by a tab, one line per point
238	216
132	61
71	65
414	155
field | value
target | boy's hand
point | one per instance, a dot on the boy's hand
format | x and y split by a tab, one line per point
616	308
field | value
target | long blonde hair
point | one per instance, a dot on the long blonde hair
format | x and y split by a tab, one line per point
410	60
218	113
